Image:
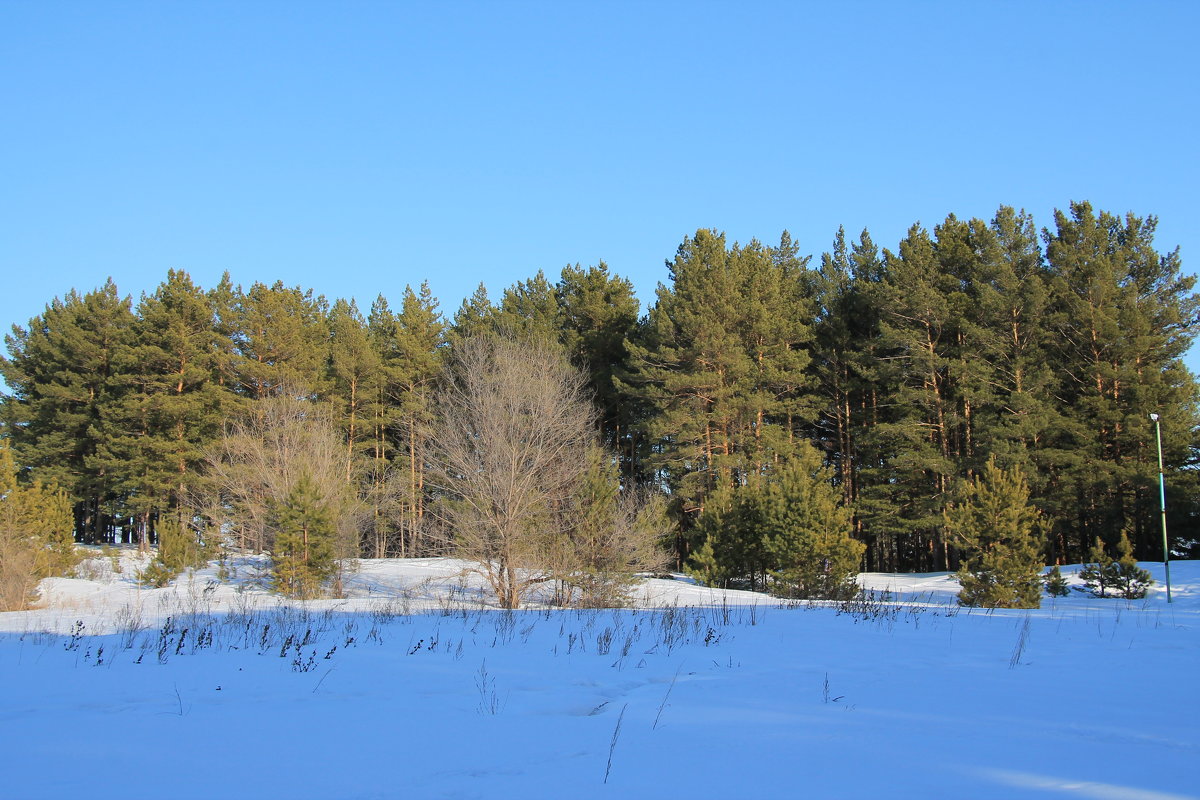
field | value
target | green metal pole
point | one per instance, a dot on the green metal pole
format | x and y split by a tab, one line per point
1162	502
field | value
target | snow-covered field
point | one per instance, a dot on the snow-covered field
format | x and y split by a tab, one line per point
412	688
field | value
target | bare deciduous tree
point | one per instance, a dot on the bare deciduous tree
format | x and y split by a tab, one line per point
526	492
261	458
509	447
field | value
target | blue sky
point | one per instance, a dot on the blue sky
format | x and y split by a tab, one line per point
357	147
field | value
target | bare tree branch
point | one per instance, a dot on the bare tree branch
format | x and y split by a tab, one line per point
510	444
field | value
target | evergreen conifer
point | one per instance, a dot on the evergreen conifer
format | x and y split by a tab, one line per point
1131	581
1121	574
1001	534
1056	584
178	549
808	533
789	535
1097	572
35	535
304	540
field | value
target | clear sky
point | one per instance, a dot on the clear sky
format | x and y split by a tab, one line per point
356	147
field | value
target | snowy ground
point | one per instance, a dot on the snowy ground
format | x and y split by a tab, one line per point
412	688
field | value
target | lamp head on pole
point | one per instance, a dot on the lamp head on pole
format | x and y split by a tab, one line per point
1154	417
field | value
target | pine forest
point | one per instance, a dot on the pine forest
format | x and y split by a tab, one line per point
784	419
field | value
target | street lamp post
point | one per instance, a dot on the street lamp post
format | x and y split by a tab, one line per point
1162	502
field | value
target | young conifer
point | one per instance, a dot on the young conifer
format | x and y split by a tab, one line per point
35	535
1121	574
1130	579
1001	534
1097	573
178	549
304	539
809	532
1056	585
791	535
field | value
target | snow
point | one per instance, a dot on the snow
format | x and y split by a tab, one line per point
414	687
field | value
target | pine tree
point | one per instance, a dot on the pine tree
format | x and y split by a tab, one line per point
382	529
67	374
173	404
1097	572
846	367
599	312
919	329
419	362
686	361
354	370
1010	296
304	540
409	347
1022	423
775	287
35	534
809	532
732	549
787	533
530	309
475	317
1130	580
223	299
178	549
720	367
1103	572
281	341
1056	585
1002	537
1122	315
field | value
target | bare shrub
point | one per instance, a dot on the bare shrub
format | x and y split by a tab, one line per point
255	469
524	491
260	458
508	447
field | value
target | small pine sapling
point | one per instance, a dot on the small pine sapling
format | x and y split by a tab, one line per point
1097	573
1130	580
36	535
1001	533
790	535
178	549
304	532
1056	583
1121	574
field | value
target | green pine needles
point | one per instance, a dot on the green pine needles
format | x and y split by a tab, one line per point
178	549
790	536
1121	575
304	537
907	366
35	535
1056	583
1001	535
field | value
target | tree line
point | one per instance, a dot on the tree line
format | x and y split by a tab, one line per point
762	392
